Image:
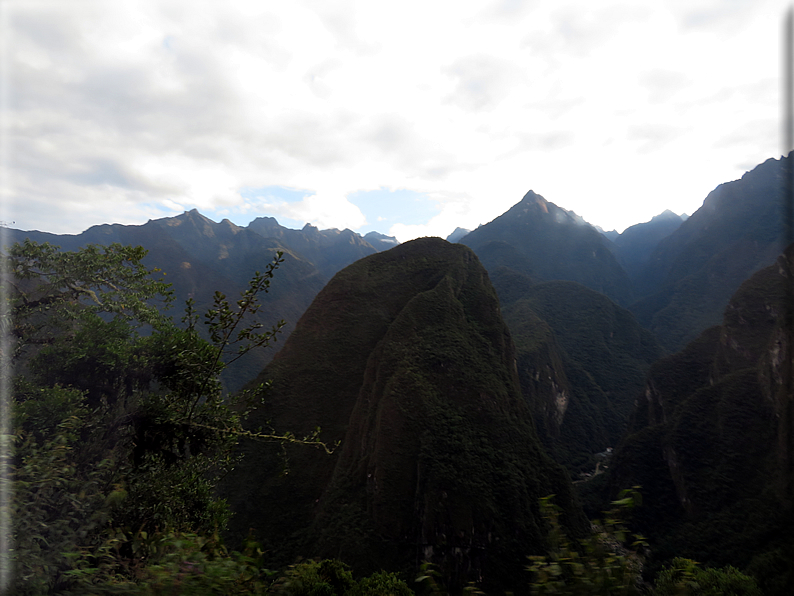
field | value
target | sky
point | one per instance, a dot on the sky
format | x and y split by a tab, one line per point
409	118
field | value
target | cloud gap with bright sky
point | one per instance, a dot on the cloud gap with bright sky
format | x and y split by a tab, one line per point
408	118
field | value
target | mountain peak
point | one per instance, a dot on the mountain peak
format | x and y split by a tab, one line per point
559	245
457	234
533	198
380	241
666	214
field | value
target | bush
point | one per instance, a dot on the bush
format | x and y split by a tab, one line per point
601	564
685	577
333	578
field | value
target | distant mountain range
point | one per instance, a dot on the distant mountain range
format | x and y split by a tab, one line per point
689	277
675	274
201	256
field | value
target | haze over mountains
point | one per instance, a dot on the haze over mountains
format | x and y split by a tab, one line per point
201	256
653	268
466	381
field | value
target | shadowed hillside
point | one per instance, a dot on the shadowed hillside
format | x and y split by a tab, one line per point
635	244
557	244
404	358
693	272
710	441
200	257
582	402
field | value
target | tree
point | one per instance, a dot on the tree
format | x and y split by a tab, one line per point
51	290
121	427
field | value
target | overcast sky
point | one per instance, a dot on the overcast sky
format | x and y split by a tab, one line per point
410	118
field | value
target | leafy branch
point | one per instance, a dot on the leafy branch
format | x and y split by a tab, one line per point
224	324
602	564
49	289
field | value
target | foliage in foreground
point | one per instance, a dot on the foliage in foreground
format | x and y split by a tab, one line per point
120	426
684	576
170	563
331	577
121	435
609	561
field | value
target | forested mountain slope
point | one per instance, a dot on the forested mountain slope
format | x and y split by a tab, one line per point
405	359
710	441
581	360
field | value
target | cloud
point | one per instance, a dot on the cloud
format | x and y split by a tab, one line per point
385	208
663	84
128	110
653	136
480	81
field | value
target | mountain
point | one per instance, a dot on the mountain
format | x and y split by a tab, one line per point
556	245
581	359
636	243
405	359
200	256
457	234
380	241
599	356
711	439
610	235
580	356
692	273
329	250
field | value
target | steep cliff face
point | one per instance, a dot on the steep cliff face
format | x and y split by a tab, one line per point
540	369
405	359
711	439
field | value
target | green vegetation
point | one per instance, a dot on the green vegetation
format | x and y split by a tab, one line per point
609	561
123	436
705	442
331	577
685	576
405	358
120	428
578	348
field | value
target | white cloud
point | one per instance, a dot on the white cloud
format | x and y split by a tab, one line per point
615	111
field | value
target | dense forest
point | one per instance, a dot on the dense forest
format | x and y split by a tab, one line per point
539	408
